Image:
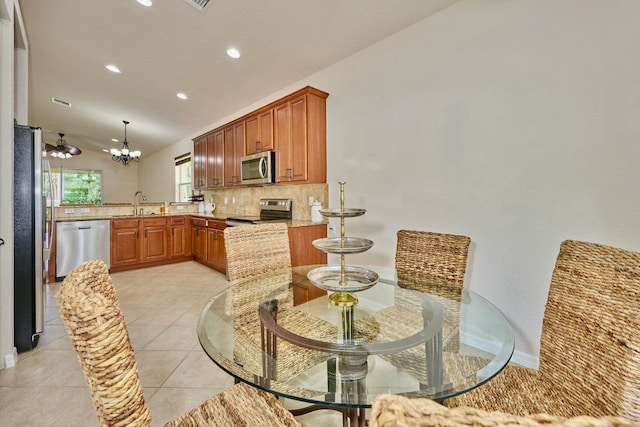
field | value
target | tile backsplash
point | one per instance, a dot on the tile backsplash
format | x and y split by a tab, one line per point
233	201
245	201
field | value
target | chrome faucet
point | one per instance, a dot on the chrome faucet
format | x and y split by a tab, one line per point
135	201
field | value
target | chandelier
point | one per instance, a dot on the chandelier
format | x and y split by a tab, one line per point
62	150
125	155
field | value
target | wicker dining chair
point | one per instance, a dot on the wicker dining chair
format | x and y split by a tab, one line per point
436	256
395	411
590	343
92	317
253	250
434	263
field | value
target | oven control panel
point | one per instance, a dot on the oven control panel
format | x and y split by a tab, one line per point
275	205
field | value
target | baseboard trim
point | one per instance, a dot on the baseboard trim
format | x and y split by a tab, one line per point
11	359
525	359
518	358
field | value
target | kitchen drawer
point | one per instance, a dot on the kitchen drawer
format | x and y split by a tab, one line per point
217	224
198	222
177	220
125	223
154	222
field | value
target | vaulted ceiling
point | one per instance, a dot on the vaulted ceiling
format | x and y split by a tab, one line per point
173	47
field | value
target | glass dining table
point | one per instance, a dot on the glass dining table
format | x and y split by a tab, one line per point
409	334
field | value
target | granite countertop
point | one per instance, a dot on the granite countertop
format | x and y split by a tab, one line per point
223	217
106	216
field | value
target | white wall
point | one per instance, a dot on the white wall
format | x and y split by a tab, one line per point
119	183
156	172
516	123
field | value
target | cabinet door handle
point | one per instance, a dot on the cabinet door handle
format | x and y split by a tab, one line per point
145	234
257	145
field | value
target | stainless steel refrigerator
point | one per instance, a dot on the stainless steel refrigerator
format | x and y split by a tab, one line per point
33	224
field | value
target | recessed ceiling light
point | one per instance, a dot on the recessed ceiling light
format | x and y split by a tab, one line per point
233	52
114	139
182	95
145	2
112	68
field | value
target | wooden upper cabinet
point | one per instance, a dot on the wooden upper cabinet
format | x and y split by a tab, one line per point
200	162
259	132
215	159
294	127
234	146
300	139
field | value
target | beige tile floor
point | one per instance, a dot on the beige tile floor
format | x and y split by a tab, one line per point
161	306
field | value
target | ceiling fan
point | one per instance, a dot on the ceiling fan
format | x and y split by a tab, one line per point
62	150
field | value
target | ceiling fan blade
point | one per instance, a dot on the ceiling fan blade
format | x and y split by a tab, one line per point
71	149
50	147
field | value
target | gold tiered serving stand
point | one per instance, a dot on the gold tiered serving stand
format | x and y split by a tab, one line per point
343	279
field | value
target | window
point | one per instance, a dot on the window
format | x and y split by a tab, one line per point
183	178
77	186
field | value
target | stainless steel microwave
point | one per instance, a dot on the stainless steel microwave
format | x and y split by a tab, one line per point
259	168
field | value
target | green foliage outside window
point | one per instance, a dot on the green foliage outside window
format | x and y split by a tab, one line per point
78	186
183	178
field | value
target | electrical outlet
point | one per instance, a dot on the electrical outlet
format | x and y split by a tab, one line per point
180	207
310	200
85	210
69	210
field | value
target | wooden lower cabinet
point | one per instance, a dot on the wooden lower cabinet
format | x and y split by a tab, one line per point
125	246
199	243
304	253
148	241
155	245
216	253
300	243
180	238
207	242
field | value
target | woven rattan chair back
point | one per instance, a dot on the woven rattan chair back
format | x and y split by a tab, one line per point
590	343
392	411
436	257
95	324
253	250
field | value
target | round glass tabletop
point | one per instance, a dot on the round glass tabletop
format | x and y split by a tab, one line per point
279	333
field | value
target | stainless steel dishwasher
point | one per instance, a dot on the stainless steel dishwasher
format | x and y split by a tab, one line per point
80	241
